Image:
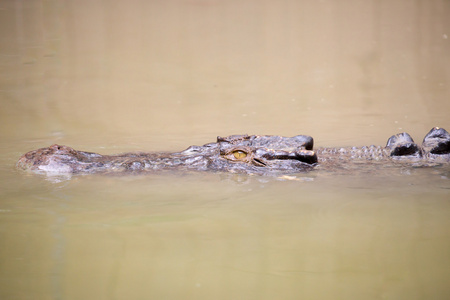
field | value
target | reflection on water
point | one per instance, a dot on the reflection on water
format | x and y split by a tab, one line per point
211	235
116	76
332	70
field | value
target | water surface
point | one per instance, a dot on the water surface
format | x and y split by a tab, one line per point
123	76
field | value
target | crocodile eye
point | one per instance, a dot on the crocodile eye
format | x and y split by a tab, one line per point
238	154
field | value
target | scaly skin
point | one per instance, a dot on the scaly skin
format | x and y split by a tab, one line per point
263	155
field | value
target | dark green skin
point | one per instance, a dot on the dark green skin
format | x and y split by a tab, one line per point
247	154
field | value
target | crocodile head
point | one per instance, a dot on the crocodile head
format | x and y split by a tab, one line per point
238	153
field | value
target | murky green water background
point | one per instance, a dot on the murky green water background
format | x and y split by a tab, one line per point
121	76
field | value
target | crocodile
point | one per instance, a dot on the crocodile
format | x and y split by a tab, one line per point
247	154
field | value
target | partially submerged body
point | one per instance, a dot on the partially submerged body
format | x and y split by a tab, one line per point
263	155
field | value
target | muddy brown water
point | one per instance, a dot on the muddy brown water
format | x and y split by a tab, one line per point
120	76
